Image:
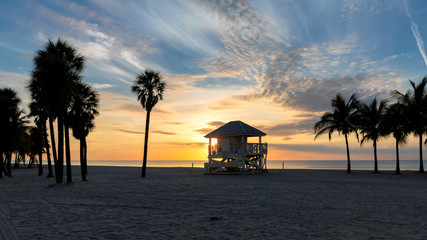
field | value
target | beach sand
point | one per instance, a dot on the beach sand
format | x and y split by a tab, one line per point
183	203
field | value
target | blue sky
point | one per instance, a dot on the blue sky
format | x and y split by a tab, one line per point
272	64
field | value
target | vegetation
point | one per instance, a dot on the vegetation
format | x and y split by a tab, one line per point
414	103
395	123
342	119
374	121
58	94
149	88
371	121
83	109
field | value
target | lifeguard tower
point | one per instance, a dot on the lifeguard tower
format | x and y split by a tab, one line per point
232	153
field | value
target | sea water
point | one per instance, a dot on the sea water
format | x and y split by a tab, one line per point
271	164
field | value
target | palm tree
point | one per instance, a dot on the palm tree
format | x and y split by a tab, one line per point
9	102
371	124
57	67
395	120
84	105
40	119
35	146
342	120
16	133
149	88
415	104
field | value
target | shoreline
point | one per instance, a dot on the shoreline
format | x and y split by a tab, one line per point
183	203
387	165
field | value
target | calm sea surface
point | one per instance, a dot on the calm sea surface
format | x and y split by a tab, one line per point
272	164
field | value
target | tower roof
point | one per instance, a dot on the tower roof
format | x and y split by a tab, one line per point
235	128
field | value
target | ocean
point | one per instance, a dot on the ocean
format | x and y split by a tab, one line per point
271	164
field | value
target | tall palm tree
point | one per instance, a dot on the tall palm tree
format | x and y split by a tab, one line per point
84	108
342	120
149	88
415	103
40	119
57	67
371	124
16	133
395	120
35	145
9	102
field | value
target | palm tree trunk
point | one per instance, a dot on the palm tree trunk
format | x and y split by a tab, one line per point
16	165
397	158
421	154
85	155
52	139
348	154
40	149
82	165
60	168
1	164
68	152
375	157
46	140
9	164
147	126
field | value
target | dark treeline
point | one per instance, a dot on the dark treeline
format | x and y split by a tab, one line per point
406	115
58	95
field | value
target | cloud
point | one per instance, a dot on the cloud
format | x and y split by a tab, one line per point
100	86
17	82
212	126
110	49
298	126
190	144
224	105
204	131
417	35
128	131
164	133
220	83
12	79
311	94
298	77
216	124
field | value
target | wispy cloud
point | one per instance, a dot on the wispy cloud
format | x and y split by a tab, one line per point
416	33
128	131
189	144
102	85
292	127
300	77
212	126
163	132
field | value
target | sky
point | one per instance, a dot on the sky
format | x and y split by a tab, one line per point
274	65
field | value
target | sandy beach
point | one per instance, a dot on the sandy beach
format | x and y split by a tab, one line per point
183	203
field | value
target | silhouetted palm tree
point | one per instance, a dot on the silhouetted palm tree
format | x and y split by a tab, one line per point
371	124
15	134
40	119
149	88
10	123
57	67
395	120
34	146
342	120
415	103
84	105
8	106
